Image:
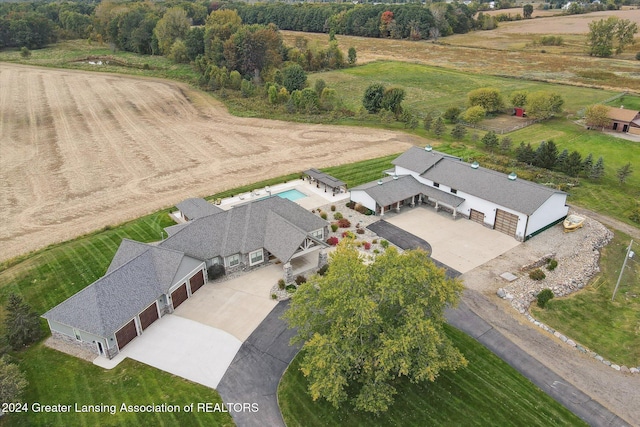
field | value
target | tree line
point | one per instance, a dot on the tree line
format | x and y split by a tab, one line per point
367	20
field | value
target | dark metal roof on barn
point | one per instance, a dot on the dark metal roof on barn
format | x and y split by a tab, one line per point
520	195
139	274
246	228
197	208
419	160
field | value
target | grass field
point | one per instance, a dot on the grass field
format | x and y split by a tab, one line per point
487	392
435	89
589	317
77	53
55	378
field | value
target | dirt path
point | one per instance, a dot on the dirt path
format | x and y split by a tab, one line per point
83	150
615	391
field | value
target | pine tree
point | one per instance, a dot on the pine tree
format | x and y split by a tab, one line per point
22	323
598	169
573	165
459	131
623	173
525	154
587	164
546	155
561	163
438	127
505	144
427	121
490	140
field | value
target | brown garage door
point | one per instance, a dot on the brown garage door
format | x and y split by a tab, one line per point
126	334
196	281
506	222
148	316
179	295
476	216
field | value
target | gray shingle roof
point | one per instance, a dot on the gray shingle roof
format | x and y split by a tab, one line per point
419	160
520	195
393	190
324	178
246	228
128	288
197	208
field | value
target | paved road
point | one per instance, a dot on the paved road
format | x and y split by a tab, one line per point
255	372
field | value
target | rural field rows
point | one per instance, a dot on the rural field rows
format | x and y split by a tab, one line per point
81	150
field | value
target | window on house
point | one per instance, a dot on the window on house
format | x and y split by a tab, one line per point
318	234
256	257
435	184
233	260
454	191
77	334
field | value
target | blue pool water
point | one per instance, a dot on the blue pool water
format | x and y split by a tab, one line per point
292	195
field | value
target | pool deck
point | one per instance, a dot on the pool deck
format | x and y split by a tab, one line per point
316	197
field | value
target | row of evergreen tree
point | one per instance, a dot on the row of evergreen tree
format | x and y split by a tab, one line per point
571	163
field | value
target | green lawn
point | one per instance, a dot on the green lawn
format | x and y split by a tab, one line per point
487	392
611	329
607	196
433	88
55	378
629	102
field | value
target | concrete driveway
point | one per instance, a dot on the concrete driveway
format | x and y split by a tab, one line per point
460	244
236	306
182	347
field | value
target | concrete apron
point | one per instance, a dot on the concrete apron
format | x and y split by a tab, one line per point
460	244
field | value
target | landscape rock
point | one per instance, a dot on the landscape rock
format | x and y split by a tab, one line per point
616	367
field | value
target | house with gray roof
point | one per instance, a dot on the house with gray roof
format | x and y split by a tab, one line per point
146	281
503	202
195	208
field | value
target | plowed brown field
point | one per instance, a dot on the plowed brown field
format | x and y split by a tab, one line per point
80	150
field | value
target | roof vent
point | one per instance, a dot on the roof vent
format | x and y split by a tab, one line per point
379	182
395	176
428	148
475	165
512	176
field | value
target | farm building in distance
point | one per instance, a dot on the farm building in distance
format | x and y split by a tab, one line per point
624	121
513	206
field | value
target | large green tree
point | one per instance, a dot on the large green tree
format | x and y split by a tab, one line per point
174	25
294	78
488	98
392	100
363	326
372	99
21	323
597	116
610	35
544	105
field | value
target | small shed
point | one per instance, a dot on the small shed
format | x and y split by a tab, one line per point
519	112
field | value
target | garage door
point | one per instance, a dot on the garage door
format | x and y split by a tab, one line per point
476	216
148	316
126	334
196	281
506	222
179	295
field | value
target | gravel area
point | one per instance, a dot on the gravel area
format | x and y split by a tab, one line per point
616	390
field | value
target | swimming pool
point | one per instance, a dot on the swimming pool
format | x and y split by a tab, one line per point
292	195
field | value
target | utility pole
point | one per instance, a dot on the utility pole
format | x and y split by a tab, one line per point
624	264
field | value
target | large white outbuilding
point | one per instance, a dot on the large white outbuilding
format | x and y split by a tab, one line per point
503	202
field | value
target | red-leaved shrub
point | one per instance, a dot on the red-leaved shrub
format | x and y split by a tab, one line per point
344	223
367	246
332	241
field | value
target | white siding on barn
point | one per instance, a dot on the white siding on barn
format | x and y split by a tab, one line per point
360	196
550	211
